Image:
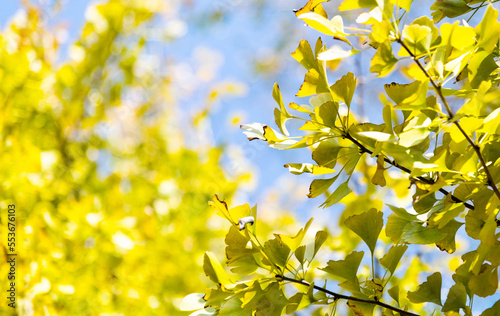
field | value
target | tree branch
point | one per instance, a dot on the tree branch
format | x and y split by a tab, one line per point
393	163
337	296
451	115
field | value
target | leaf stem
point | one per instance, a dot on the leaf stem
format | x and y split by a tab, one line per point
337	296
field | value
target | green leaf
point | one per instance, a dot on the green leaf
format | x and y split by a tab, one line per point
361	309
319	240
301	300
320	186
281	115
214	270
294	242
413	136
300	254
415	233
488	30
230	214
417	38
277	251
448	242
457	298
411	96
340	192
401	212
344	88
367	225
233	307
304	55
481	65
314	82
345	269
486	282
326	153
326	113
392	258
449	9
240	257
394	293
429	291
383	61
394	227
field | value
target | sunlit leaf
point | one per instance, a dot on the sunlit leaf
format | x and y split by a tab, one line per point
367	225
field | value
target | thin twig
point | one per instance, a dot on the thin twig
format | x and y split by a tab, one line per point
337	296
393	163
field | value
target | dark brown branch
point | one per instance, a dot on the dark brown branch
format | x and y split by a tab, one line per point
393	163
337	296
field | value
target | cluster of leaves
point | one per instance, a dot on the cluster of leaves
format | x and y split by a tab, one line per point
449	156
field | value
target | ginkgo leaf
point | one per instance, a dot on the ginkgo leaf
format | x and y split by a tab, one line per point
345	269
232	214
277	252
367	225
326	114
488	30
411	96
214	270
457	298
449	9
394	293
344	88
240	258
326	153
320	186
392	258
294	242
383	61
333	27
429	291
486	282
281	115
340	192
312	5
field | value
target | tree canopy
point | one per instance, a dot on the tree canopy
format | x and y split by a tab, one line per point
425	175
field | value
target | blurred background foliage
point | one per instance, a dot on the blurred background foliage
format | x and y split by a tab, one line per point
110	175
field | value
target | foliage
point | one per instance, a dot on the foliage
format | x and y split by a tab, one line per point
443	141
111	201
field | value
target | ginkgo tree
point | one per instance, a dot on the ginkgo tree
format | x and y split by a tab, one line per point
438	141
